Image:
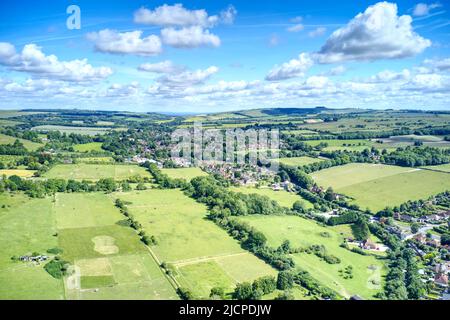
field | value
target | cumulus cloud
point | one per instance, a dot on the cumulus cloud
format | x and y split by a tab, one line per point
187	78
189	37
111	41
438	64
228	15
293	68
34	61
120	90
176	15
378	33
166	66
423	9
320	31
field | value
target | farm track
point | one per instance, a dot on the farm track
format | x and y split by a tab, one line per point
181	263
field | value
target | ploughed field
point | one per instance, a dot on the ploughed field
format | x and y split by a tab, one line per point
376	186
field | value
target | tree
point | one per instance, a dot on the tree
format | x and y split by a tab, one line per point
185	294
415	227
243	291
360	230
285	280
298	206
329	194
217	293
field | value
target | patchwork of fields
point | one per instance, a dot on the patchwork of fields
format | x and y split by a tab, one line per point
367	270
376	186
95	171
202	255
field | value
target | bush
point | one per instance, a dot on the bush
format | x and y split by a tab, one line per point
56	268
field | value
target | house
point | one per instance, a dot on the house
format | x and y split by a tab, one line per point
433	242
441	279
369	245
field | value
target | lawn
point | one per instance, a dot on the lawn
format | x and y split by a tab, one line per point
298	161
376	186
95	171
200	252
86	147
184	173
284	198
26	226
303	232
32	146
17	172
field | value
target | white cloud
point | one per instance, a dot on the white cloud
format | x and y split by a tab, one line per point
176	15
440	65
423	9
320	31
227	16
293	68
296	28
120	90
189	37
166	66
111	41
336	71
187	78
378	33
34	61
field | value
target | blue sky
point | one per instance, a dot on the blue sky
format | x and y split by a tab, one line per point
206	56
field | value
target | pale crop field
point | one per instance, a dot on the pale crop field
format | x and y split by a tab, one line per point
298	161
282	197
17	172
201	253
184	173
82	171
303	232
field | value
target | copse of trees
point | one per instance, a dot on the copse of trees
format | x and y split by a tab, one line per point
255	291
15	149
415	157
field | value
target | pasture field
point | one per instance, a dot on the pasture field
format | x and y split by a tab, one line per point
17	172
350	145
8	123
108	259
442	167
90	131
303	232
283	197
8	159
375	186
26	226
30	145
201	254
86	147
82	171
82	210
298	161
95	160
184	173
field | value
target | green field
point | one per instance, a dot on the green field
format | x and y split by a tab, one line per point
86	147
95	160
442	167
95	171
109	261
90	131
350	145
32	146
201	254
298	161
375	186
26	226
184	173
303	232
284	198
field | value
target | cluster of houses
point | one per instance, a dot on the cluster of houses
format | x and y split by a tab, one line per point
38	258
246	175
441	273
438	216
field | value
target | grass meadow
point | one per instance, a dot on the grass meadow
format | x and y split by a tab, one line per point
82	171
30	145
184	173
201	254
298	161
86	147
303	232
376	186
